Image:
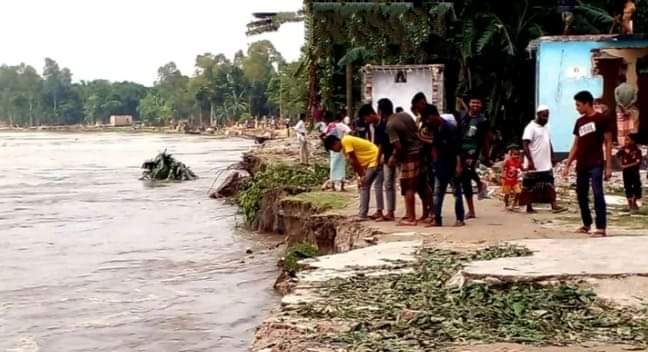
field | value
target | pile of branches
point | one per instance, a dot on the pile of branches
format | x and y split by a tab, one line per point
165	167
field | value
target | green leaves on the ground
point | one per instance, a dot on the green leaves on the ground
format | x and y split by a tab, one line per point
502	251
296	253
276	177
417	312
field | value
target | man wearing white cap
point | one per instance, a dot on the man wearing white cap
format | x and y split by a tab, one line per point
538	183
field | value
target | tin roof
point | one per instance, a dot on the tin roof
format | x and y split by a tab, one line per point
533	45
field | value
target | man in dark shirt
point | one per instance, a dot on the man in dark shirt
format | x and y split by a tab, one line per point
447	163
377	135
385	111
475	137
403	136
591	132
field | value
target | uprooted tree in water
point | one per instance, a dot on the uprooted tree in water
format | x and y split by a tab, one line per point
165	167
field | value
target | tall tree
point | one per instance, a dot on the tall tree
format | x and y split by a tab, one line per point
31	85
261	62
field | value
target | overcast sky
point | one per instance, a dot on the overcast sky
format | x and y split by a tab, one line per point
129	39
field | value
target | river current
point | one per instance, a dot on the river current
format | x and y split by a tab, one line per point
92	259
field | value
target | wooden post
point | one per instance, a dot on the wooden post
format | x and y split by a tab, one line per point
349	89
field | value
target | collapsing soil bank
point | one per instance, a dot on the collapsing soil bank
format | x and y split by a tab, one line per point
278	197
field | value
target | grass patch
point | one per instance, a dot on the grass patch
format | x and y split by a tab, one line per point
438	316
628	221
278	176
297	252
322	201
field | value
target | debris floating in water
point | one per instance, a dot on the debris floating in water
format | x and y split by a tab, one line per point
165	167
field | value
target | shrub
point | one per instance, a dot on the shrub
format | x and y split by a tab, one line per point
278	176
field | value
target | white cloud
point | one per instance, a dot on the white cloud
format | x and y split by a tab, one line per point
129	39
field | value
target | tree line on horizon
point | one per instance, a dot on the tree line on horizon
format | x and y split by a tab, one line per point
256	83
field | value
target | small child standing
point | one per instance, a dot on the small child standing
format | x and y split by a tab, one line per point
511	178
630	156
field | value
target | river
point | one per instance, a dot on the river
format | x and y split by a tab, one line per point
92	259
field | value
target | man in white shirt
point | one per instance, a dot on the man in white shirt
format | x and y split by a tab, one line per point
538	183
300	129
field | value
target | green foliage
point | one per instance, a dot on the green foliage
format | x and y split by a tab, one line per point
166	167
277	177
322	201
297	252
287	89
439	315
154	110
482	43
220	90
501	251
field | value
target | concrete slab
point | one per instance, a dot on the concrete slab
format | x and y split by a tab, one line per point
381	259
382	256
565	258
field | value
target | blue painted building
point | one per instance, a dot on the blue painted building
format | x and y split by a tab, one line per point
566	65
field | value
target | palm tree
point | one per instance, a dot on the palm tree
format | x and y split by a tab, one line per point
236	103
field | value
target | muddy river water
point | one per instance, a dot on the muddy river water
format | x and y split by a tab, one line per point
91	259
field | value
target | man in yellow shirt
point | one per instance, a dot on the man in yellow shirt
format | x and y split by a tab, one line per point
363	156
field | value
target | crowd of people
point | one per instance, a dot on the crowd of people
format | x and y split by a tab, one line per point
429	153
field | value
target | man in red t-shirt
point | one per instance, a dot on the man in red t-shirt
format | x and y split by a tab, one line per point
591	132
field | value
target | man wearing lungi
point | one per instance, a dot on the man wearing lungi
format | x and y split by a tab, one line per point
538	182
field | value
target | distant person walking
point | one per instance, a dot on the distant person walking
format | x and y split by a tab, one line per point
363	156
630	157
538	181
591	133
300	129
475	142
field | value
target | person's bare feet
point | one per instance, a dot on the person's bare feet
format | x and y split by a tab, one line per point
407	222
389	217
459	224
434	223
471	216
583	230
359	219
422	218
377	215
599	233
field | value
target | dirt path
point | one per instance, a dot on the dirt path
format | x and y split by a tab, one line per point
493	224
